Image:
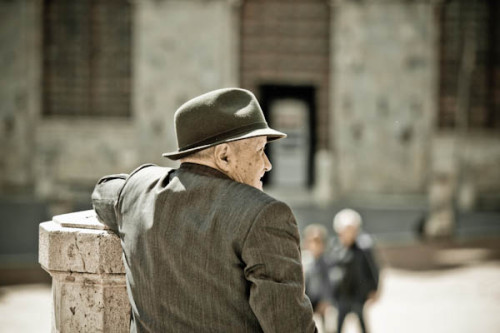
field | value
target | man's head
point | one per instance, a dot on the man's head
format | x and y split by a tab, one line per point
225	129
346	224
315	237
244	161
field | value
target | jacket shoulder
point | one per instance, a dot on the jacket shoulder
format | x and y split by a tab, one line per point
365	242
147	168
147	171
250	194
141	179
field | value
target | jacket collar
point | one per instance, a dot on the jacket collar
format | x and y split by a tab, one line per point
203	170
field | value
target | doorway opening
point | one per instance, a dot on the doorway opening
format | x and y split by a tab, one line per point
290	109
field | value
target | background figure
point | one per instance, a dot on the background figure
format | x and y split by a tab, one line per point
316	267
356	262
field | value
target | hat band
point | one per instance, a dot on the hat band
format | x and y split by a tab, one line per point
226	135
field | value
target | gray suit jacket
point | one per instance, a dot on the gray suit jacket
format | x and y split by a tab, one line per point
204	253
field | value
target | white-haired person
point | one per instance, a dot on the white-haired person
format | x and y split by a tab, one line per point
358	268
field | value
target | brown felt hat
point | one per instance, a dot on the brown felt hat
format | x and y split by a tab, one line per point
219	116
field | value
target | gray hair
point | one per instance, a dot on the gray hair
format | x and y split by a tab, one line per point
321	230
346	217
202	154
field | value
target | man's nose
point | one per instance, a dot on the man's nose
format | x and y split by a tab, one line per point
267	164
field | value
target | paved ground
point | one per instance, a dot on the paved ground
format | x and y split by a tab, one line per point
460	300
25	308
439	287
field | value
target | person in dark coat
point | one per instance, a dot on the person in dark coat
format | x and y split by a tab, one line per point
359	271
204	248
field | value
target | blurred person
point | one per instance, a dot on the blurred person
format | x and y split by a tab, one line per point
318	285
204	248
359	271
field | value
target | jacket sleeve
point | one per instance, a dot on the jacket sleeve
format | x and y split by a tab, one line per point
104	197
367	246
106	194
273	267
373	269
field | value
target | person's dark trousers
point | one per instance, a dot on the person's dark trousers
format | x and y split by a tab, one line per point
346	307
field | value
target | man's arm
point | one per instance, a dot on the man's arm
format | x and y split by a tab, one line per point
274	269
373	269
367	246
108	191
104	197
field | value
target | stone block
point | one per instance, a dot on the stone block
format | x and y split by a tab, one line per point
89	303
88	277
77	242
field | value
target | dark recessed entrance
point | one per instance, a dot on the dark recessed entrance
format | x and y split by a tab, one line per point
290	109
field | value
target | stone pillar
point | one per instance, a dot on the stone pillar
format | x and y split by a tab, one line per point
381	129
441	219
324	185
88	277
442	188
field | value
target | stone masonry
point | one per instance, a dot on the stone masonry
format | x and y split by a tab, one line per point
382	96
375	64
88	277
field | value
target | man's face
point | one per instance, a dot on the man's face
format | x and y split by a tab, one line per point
249	163
314	243
348	235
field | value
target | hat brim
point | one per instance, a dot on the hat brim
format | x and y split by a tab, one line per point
271	134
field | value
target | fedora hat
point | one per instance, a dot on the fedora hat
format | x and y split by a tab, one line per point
219	116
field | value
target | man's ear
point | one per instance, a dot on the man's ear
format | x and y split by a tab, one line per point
223	156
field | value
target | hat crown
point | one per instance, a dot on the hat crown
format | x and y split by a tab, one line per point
214	114
219	116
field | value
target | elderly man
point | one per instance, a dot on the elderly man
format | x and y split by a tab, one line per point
205	250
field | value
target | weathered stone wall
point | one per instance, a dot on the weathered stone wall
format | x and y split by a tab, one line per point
182	49
19	92
72	154
469	166
482	158
382	111
383	96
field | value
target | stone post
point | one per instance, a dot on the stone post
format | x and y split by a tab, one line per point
88	277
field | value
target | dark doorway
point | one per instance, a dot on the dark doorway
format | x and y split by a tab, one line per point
291	109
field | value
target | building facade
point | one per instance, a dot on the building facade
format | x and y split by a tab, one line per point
386	101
